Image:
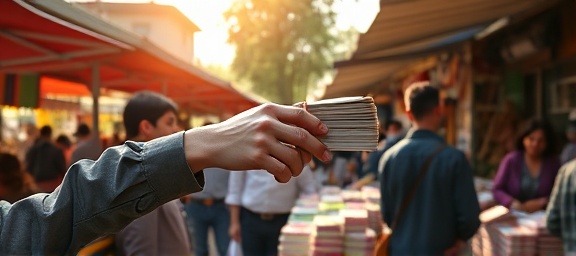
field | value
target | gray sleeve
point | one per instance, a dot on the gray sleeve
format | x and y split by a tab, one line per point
98	198
466	201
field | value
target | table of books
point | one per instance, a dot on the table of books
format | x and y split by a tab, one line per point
504	232
334	222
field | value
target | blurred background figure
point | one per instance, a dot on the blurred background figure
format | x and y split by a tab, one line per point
65	144
15	184
31	134
260	206
569	151
368	171
526	176
45	161
87	146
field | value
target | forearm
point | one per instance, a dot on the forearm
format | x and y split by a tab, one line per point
234	214
98	198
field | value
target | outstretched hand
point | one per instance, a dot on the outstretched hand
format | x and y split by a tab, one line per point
276	138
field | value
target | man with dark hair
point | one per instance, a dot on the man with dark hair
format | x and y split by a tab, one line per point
148	116
444	211
45	161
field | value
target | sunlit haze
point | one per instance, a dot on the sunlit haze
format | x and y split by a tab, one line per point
210	43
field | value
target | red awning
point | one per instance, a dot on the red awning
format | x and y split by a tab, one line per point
33	39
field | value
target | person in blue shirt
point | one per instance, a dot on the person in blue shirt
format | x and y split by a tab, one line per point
444	211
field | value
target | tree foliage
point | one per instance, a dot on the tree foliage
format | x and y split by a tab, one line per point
282	47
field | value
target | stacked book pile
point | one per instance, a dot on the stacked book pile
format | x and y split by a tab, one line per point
547	243
295	239
359	239
330	204
374	218
360	244
482	242
371	194
352	123
513	239
330	190
327	236
355	220
303	214
352	196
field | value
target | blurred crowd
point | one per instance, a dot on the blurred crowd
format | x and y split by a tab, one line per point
250	208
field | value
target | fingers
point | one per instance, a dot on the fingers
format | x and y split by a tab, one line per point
290	156
280	170
299	117
300	138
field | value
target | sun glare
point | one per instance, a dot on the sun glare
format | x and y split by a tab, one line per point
210	46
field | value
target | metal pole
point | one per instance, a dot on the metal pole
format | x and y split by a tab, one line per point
95	100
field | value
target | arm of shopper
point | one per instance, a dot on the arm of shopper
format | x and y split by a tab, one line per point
553	216
253	140
98	198
465	198
234	230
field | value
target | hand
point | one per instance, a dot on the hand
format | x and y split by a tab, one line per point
234	232
259	138
534	205
455	249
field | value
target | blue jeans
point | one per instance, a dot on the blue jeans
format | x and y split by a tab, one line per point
203	217
260	237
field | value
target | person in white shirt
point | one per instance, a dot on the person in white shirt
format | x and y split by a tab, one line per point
260	206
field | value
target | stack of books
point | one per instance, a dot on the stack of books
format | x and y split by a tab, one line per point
355	220
482	242
360	244
353	196
295	239
513	240
303	214
327	236
371	194
352	123
330	203
375	218
547	243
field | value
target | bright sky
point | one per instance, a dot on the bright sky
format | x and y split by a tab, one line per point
210	44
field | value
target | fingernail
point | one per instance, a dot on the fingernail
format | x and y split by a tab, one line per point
323	128
327	156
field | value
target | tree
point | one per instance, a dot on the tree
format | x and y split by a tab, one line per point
282	47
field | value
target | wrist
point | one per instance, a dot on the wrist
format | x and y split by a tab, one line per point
195	150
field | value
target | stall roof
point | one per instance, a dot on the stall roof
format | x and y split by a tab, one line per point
406	22
405	31
69	46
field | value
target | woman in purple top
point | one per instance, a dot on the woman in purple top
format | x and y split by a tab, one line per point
526	176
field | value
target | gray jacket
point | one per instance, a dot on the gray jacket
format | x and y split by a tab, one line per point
98	198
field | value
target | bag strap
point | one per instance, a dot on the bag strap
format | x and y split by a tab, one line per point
412	191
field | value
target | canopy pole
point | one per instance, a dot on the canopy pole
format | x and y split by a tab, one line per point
95	100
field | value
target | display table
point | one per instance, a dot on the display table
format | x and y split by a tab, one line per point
334	222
